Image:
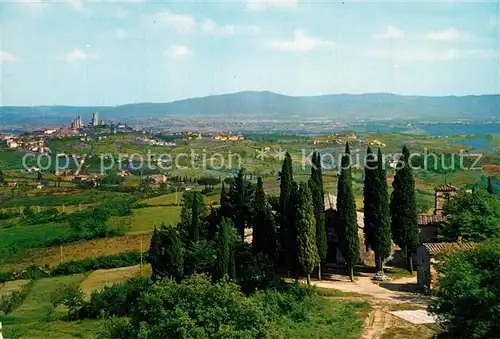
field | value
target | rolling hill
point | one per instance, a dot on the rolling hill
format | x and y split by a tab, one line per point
379	106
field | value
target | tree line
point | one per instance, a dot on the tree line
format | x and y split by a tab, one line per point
289	232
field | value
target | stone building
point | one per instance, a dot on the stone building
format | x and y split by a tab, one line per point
429	254
334	255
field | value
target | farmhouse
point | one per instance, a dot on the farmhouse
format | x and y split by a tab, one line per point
429	254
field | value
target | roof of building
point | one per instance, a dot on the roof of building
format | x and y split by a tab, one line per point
445	188
447	247
430	219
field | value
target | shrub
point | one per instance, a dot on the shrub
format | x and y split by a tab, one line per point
196	308
116	300
10	302
103	262
468	293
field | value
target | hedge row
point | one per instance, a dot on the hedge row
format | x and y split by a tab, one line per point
75	266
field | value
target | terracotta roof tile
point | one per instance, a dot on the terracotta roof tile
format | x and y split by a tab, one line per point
447	247
445	188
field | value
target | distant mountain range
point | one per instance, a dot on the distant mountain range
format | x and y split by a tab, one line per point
340	107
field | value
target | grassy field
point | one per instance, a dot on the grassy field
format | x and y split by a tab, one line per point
16	238
83	197
85	329
37	301
144	220
175	198
97	280
76	251
328	319
9	287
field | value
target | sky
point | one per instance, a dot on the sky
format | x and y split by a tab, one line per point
73	52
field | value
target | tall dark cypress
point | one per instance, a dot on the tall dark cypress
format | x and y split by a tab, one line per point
264	231
490	189
166	253
193	214
225	203
307	250
225	240
286	237
403	206
154	254
240	196
383	234
347	217
370	206
318	198
2	179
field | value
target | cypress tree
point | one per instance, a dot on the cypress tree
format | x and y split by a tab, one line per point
370	205
193	213
154	254
264	232
240	196
490	189
383	234
198	213
286	212
166	253
307	250
347	217
318	198
403	207
2	179
225	203
225	240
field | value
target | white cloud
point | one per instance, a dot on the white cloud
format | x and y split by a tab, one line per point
212	27
78	55
263	5
76	4
181	22
391	32
450	34
426	54
301	43
177	51
4	56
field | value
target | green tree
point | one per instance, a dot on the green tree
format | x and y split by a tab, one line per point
318	198
287	234
377	225
225	203
225	240
347	216
166	254
473	216
403	207
370	199
383	234
2	179
490	189
240	196
192	215
264	231
467	296
307	250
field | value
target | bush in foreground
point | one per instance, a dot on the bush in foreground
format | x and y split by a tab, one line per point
468	293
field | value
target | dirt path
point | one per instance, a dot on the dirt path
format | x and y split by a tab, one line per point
394	291
381	298
377	322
